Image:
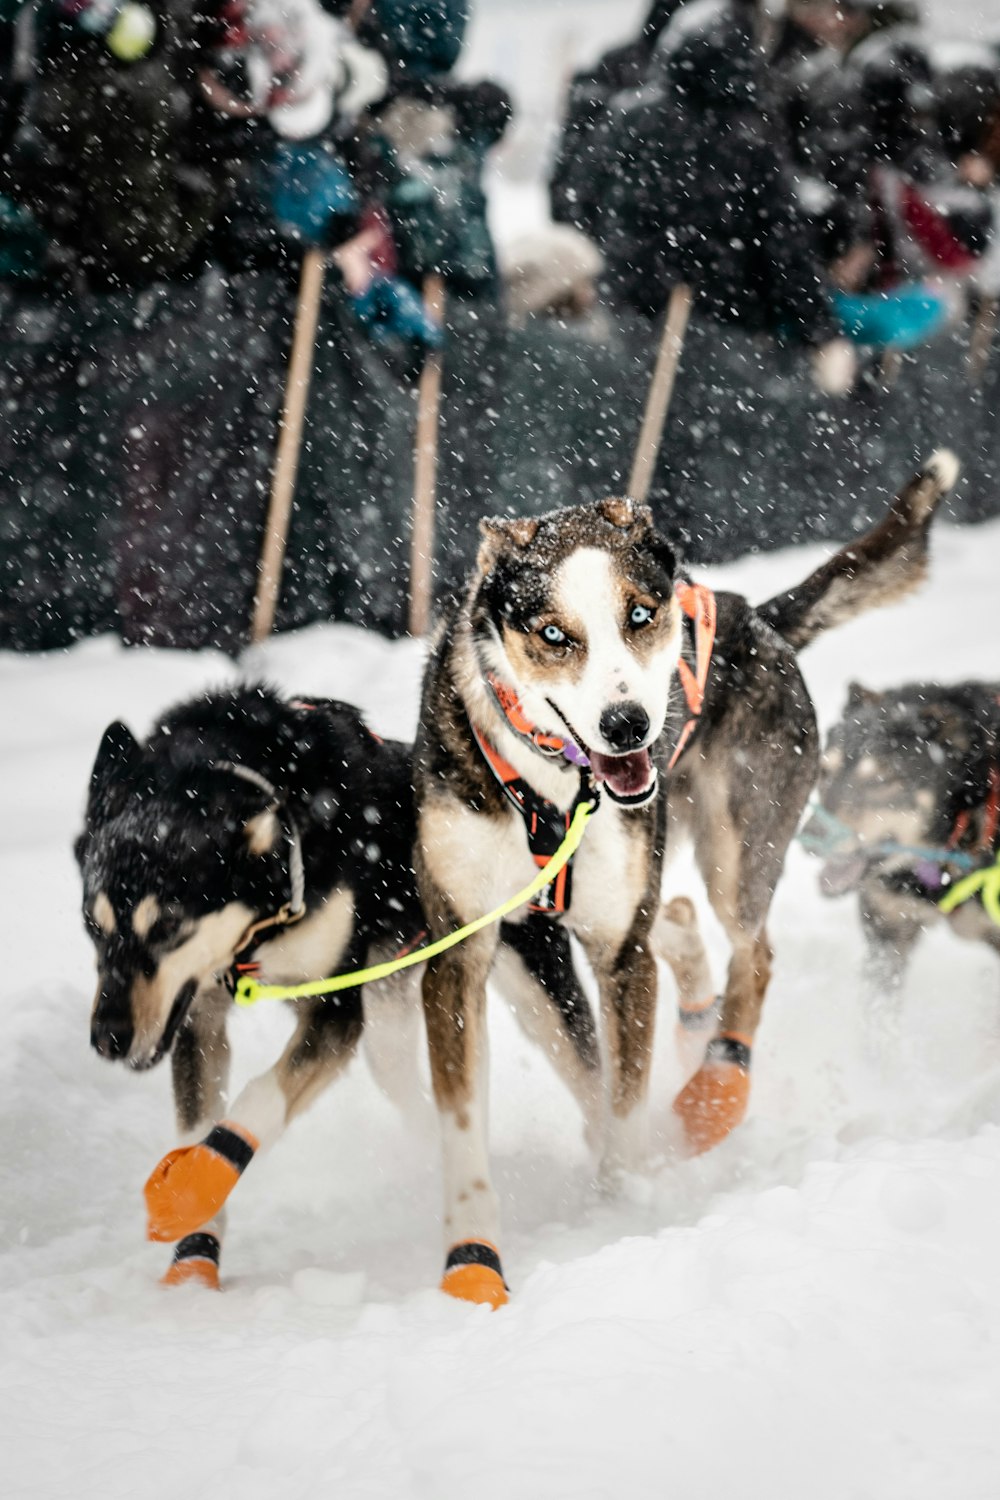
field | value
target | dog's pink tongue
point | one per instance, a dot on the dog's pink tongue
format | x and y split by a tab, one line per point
626	775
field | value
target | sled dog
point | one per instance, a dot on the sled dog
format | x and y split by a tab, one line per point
245	830
558	673
249	833
909	805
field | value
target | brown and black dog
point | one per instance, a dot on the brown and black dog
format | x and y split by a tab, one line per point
555	673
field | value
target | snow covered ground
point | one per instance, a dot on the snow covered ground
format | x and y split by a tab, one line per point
813	1310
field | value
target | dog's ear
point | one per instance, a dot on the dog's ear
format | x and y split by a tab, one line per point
862	697
625	513
262	831
499	536
944	723
115	775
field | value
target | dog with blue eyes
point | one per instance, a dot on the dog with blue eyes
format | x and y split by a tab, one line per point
582	666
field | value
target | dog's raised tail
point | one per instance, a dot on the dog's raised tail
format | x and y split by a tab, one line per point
884	565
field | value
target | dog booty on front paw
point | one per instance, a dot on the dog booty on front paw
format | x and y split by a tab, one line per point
714	1101
195	1263
472	1273
190	1185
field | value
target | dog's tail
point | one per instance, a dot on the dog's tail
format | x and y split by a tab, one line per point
884	565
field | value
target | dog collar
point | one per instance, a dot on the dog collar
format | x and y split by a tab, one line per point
294	909
549	745
545	824
698	604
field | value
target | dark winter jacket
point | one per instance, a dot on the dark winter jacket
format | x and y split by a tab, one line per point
703	191
106	158
583	156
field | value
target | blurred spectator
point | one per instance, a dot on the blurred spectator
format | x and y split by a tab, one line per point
104	159
424	149
927	221
704	192
575	184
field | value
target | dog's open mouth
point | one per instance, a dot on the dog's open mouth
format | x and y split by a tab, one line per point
842	873
628	779
177	1016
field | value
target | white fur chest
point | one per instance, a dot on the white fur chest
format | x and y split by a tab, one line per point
609	875
312	948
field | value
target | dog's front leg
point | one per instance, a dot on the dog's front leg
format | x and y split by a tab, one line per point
199	1063
628	989
189	1186
890	934
454	993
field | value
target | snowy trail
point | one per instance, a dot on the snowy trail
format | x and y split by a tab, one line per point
814	1309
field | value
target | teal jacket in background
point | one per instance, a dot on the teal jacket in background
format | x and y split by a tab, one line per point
417	37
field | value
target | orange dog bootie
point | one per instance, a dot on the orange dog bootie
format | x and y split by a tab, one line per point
472	1273
714	1101
189	1186
195	1263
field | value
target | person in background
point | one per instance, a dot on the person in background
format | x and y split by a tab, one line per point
423	148
578	171
103	158
703	193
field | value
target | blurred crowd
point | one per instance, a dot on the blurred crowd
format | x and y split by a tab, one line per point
824	175
144	139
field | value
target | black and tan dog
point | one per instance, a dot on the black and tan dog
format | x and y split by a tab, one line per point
909	805
245	828
277	837
555	672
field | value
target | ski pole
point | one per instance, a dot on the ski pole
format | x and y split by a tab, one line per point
286	462
425	470
660	391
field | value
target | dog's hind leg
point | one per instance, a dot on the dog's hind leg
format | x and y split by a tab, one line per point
537	977
189	1187
199	1062
677	941
741	839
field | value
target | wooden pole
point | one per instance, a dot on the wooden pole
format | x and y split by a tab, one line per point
981	338
286	462
425	470
661	389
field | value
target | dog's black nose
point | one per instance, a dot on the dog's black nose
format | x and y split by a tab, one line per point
625	726
111	1034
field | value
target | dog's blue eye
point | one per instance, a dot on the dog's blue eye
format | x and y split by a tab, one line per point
640	614
553	636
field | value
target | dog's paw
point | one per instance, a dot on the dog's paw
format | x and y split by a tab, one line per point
190	1185
472	1273
195	1263
715	1100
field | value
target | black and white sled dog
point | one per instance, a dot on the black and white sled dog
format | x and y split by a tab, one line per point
909	805
246	829
554	673
254	834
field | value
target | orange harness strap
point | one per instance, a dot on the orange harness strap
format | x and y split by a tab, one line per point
991	819
698	603
545	824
